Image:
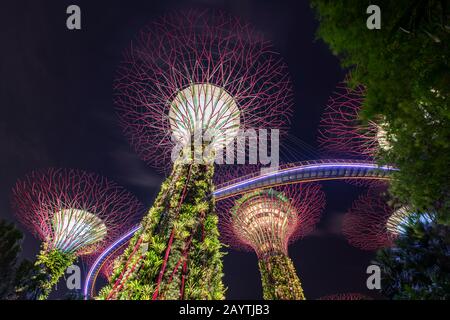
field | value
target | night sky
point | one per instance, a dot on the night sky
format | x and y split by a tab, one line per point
57	111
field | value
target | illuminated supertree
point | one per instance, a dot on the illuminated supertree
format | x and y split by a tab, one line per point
107	267
365	224
266	221
342	131
74	213
372	223
186	87
199	73
346	296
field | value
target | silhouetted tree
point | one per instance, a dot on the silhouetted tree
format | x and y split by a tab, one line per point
10	247
26	282
418	265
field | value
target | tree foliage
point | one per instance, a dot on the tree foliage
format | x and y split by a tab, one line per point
10	247
19	280
405	69
418	266
26	281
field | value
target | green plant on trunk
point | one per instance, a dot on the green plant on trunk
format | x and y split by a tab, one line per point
176	255
10	247
51	264
279	278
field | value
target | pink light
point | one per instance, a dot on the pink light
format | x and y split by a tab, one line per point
189	50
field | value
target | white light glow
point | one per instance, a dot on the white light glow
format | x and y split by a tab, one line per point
207	110
76	229
381	138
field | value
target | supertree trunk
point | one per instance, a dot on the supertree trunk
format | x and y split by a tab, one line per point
177	254
279	278
50	265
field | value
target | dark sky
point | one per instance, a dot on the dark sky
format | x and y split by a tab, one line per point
56	110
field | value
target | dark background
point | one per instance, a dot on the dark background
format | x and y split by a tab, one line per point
57	111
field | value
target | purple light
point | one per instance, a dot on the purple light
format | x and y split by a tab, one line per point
304	167
89	277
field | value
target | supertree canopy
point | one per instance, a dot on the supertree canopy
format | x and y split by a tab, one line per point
199	73
365	224
372	223
189	76
266	221
343	132
74	213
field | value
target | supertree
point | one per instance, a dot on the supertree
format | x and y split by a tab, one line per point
74	213
373	223
266	221
107	266
343	131
346	296
190	76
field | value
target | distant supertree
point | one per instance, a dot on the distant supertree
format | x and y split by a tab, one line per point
107	266
346	296
186	87
199	73
266	221
372	223
74	213
343	132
